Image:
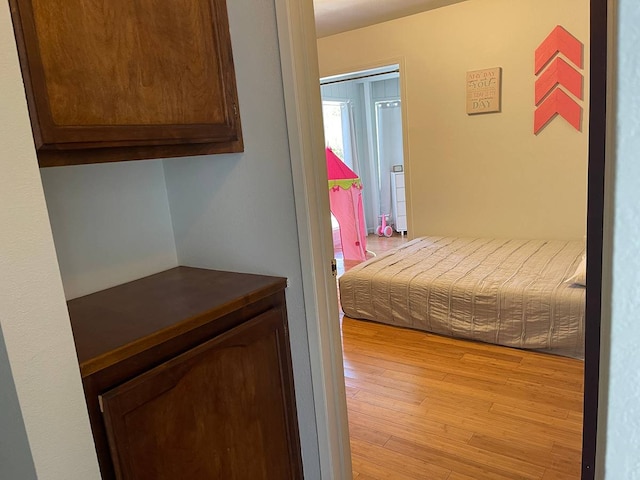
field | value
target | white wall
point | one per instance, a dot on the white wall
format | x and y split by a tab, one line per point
15	454
479	175
620	378
110	222
33	315
237	212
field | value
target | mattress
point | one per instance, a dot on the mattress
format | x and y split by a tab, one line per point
502	291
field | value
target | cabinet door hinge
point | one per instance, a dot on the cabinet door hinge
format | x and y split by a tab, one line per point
334	267
100	403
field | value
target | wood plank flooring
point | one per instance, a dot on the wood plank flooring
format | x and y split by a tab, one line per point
423	406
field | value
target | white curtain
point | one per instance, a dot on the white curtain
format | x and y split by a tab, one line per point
390	151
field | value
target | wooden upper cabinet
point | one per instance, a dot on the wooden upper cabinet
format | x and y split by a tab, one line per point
127	79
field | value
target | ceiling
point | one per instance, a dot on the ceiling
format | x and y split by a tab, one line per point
336	16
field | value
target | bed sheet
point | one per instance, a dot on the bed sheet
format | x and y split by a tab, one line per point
503	291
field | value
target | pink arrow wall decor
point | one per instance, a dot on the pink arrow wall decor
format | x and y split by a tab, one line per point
556	74
559	41
558	103
559	72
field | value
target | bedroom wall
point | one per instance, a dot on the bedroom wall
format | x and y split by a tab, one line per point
481	175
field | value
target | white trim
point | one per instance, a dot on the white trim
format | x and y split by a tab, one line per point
608	242
373	74
300	76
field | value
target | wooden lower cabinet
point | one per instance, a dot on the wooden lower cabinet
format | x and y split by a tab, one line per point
209	396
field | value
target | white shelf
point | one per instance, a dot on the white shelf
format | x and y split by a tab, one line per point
398	202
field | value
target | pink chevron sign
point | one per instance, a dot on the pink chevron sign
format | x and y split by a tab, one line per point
559	72
554	72
556	103
559	41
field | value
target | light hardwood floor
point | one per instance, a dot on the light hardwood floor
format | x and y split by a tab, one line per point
423	406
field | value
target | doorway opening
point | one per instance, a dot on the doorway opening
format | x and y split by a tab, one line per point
380	197
299	71
362	116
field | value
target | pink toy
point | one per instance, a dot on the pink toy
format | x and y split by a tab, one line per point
383	228
345	200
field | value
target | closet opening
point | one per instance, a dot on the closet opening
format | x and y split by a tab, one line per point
362	117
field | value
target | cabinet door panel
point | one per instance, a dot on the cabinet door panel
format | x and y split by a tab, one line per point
127	73
222	410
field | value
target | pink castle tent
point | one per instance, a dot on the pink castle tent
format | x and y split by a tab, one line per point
345	199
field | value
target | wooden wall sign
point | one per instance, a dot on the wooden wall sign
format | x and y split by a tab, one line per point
484	90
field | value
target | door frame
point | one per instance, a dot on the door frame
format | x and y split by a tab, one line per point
300	73
303	106
598	102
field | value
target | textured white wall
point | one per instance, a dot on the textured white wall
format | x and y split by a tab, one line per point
237	211
623	418
110	222
33	314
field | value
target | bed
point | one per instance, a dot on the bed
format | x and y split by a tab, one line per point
516	293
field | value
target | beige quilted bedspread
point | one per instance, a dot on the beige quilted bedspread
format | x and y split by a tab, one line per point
507	292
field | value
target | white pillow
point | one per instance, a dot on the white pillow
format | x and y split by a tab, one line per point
579	277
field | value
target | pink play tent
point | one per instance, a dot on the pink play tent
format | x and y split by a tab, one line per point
345	198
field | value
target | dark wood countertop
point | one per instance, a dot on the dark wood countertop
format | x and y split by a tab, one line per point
121	321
